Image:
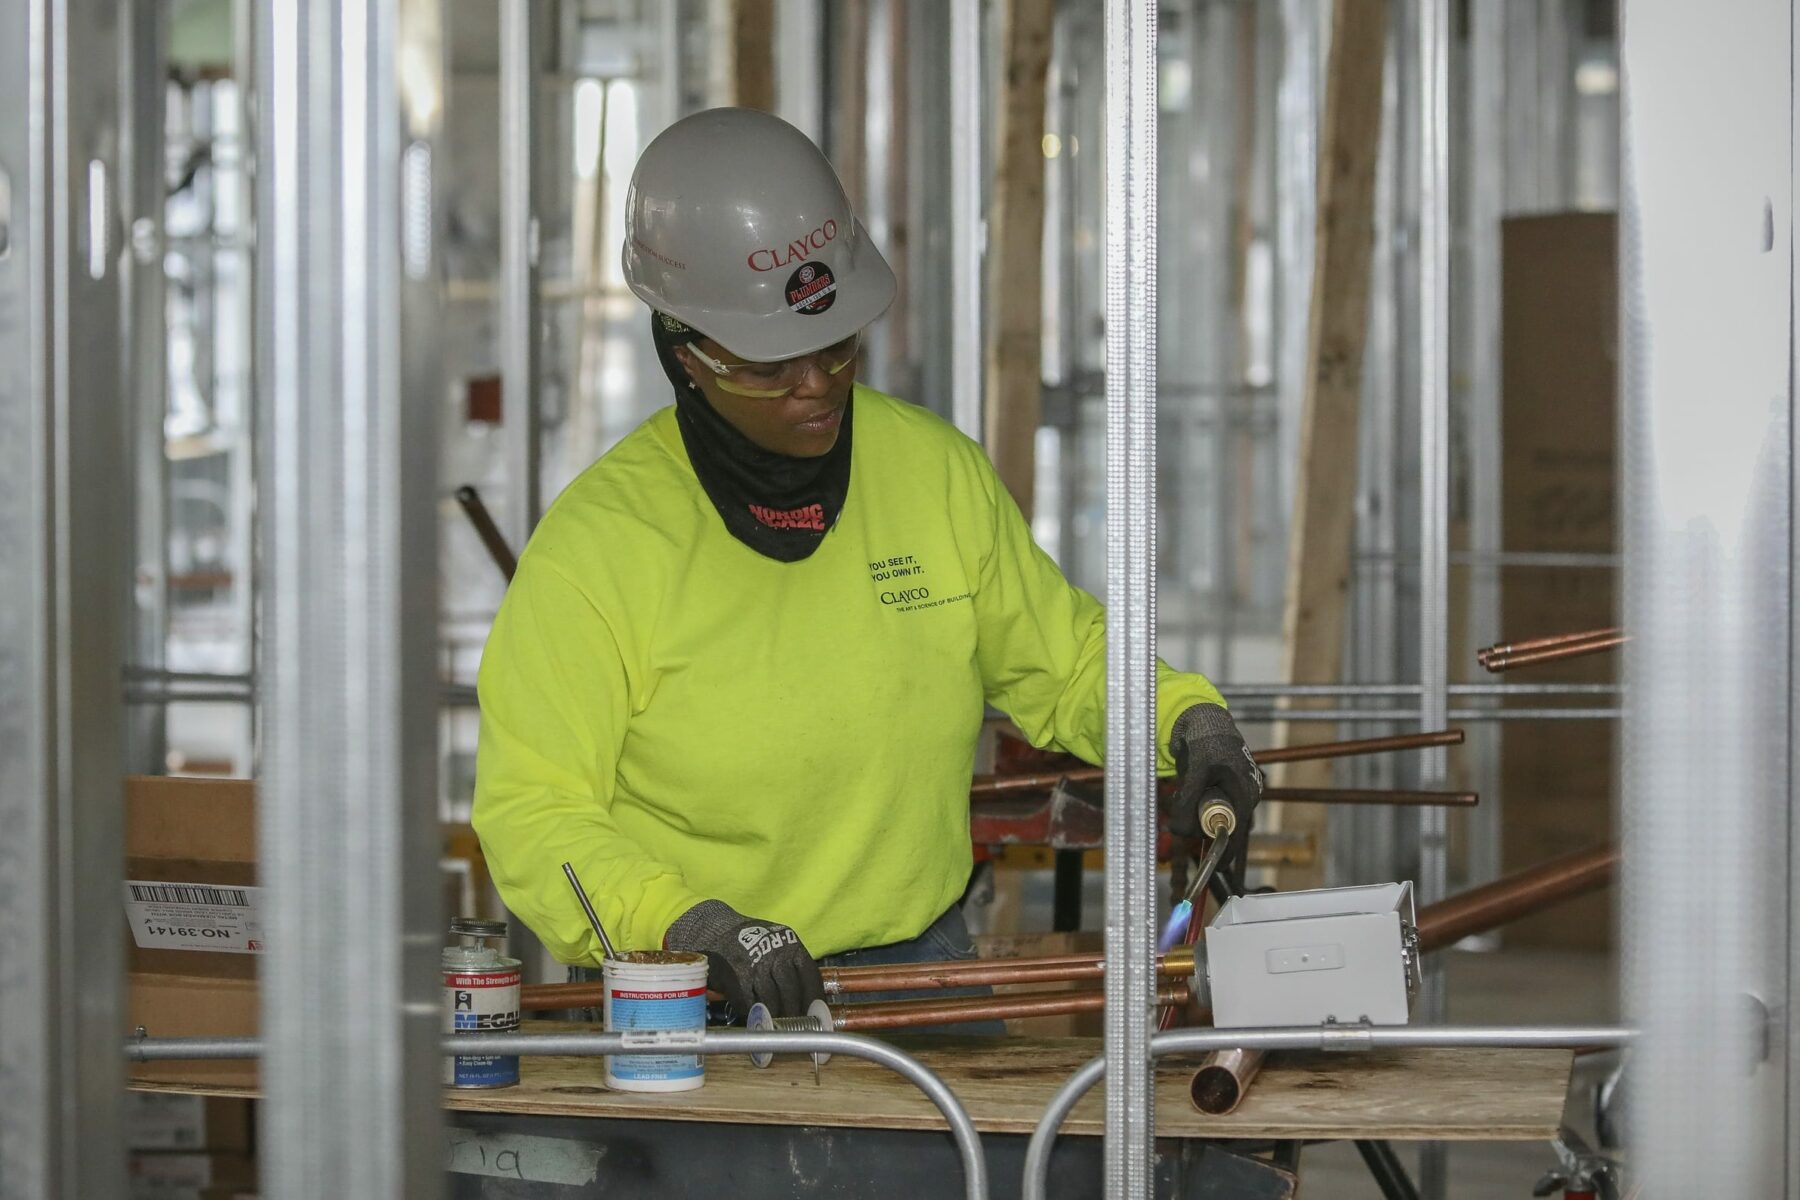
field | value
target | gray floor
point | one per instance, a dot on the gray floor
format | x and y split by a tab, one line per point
1502	987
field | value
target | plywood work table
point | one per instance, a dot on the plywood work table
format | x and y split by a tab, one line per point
1442	1095
864	1131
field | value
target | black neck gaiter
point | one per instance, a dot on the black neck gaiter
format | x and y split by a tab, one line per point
778	505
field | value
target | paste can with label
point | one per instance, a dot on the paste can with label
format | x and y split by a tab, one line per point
653	990
481	995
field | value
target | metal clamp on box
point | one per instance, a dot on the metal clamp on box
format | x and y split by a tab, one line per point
1344	956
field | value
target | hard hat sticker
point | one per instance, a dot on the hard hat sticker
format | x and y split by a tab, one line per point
811	290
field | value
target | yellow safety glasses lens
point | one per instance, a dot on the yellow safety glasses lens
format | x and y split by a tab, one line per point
771	381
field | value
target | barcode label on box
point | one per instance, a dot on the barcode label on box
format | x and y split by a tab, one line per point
190	893
194	916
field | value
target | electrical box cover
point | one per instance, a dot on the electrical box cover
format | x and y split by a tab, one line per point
1305	958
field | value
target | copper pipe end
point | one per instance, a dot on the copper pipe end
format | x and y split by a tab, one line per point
1503	649
1506	655
1220	1083
1215	1090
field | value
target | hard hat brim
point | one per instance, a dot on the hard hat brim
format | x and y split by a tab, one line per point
764	337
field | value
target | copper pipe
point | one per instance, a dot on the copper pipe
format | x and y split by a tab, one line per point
1223	1079
899	977
1496	663
1517	895
1179	961
1503	649
1361	746
993	971
487	531
899	1014
1225	1075
1001	785
1370	796
1006	785
957	966
546	997
1064	968
549	997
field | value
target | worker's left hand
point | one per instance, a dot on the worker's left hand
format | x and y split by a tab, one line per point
1211	759
748	959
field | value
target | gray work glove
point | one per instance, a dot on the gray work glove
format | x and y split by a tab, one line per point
749	960
1211	759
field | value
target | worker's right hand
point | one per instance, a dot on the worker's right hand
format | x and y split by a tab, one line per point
749	960
1212	760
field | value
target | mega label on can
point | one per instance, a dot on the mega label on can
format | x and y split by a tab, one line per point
481	1002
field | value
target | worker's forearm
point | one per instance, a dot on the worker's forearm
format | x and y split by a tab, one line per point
527	837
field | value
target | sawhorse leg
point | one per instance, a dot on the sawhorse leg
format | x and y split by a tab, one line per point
1388	1171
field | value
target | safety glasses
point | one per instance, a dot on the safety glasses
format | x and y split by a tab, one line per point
772	380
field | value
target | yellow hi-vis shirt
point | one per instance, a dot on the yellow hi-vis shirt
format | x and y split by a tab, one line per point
684	719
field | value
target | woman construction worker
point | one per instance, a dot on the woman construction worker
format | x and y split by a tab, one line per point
740	674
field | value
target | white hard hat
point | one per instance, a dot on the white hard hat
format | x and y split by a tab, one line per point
736	225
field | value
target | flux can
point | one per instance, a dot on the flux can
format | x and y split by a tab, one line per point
655	990
481	995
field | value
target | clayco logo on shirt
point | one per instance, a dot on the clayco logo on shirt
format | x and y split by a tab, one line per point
759	940
901	585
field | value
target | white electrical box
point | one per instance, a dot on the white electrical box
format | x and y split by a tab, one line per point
1304	958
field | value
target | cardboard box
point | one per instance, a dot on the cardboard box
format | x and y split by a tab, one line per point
185	1006
1559	313
187	833
191	832
163	1176
187	840
169	1121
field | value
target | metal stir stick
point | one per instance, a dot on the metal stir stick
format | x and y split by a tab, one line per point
587	906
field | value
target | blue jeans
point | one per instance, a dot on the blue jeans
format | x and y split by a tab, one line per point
945	938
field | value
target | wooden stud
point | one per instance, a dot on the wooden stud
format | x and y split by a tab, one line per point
899	237
753	53
1325	503
849	33
1016	248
